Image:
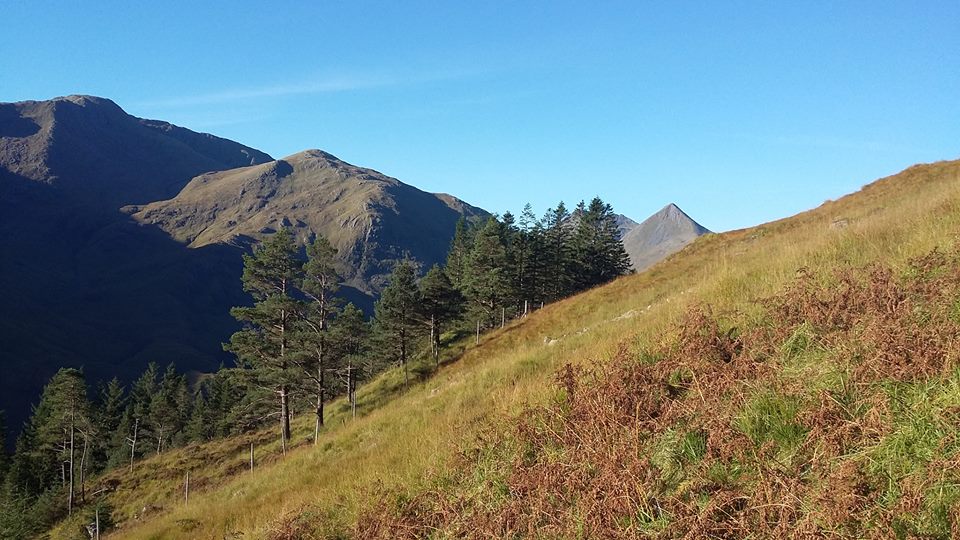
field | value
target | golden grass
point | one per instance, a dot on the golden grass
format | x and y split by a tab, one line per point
420	429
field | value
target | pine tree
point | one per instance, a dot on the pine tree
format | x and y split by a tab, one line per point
320	283
599	255
200	425
135	426
169	408
270	275
456	264
62	416
556	254
349	337
528	254
111	406
395	312
440	303
224	393
487	284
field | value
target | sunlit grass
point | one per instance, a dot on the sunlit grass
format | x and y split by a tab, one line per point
402	434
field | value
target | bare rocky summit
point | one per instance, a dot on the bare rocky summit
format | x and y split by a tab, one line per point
660	236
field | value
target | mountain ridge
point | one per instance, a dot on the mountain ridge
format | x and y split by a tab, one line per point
90	286
372	219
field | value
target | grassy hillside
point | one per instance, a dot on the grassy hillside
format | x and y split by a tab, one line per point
455	454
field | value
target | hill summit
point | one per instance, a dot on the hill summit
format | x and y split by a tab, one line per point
372	219
660	235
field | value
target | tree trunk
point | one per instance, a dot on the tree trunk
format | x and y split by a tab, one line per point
83	459
72	455
320	397
133	441
284	398
434	339
284	416
351	391
403	356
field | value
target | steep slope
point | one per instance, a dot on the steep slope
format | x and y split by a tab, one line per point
84	286
442	456
660	236
93	152
625	224
373	220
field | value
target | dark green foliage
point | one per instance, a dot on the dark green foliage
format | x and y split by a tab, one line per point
456	266
510	266
440	304
350	341
487	282
47	469
395	313
320	283
598	253
111	412
557	257
270	275
169	409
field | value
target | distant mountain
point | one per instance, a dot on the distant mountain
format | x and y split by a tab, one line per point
660	236
373	220
87	285
625	224
92	152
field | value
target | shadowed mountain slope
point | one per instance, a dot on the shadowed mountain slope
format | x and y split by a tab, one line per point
88	286
84	285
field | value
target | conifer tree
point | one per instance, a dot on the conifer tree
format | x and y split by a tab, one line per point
395	312
199	427
440	303
169	408
270	275
598	253
349	337
487	284
59	420
556	255
111	406
529	271
135	425
456	264
320	283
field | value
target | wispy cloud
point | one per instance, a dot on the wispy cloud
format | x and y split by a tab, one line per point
319	85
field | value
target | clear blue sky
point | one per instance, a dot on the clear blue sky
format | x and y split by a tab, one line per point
740	112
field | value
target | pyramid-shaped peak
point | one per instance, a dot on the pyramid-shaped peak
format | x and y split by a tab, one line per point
672	209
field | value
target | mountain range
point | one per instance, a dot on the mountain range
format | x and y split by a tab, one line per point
121	237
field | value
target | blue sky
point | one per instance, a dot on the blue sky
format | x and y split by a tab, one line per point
739	112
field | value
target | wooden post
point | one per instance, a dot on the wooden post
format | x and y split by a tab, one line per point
541	305
503	317
96	523
251	457
526	307
186	489
478	332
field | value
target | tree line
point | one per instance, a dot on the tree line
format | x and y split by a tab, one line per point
300	346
